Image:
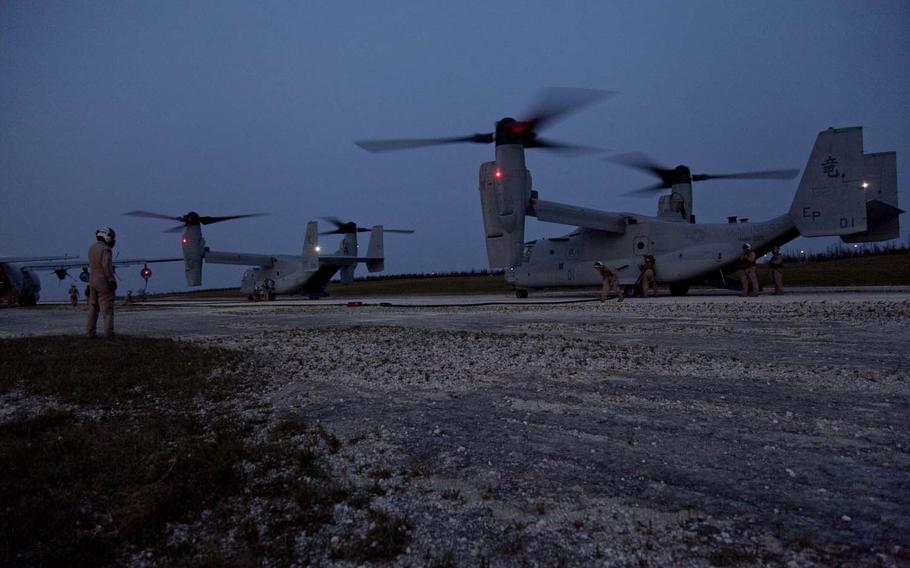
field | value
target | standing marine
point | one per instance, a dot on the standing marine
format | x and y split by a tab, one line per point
648	276
611	281
776	265
102	282
748	277
74	295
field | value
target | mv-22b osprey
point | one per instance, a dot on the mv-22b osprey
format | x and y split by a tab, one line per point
843	192
307	273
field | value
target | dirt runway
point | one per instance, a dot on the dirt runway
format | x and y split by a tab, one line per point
699	430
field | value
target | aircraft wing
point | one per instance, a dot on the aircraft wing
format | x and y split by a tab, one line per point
79	263
241	258
134	261
563	214
343	260
20	259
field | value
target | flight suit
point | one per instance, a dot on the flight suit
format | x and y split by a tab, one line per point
748	277
776	264
74	296
611	283
102	285
648	280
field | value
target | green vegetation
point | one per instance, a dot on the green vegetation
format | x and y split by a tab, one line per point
888	269
117	442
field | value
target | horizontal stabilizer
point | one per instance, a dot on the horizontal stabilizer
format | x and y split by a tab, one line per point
341	260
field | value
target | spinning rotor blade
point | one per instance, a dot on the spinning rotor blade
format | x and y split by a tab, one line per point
762	174
376	146
646	191
344	228
191	218
643	163
553	105
209	220
681	174
341	227
153	215
556	146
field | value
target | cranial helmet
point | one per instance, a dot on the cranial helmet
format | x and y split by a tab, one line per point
747	246
598	264
107	235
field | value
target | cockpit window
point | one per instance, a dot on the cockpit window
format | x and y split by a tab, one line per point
526	255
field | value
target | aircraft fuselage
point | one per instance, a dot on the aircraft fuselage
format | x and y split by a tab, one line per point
684	252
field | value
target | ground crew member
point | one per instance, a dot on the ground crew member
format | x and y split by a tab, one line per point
74	295
102	282
648	279
776	264
748	277
611	281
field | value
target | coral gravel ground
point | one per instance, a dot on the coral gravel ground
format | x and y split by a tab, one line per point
696	431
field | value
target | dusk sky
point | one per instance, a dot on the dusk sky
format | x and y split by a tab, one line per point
235	107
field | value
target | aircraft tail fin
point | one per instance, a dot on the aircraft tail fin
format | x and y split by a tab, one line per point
376	250
193	253
311	247
846	192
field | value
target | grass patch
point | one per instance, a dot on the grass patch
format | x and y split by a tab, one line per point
387	538
730	556
108	371
125	454
885	270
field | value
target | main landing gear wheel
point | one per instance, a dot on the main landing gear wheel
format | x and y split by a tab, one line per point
679	289
521	294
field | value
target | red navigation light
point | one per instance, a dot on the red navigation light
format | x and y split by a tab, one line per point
183	240
497	174
519	128
146	272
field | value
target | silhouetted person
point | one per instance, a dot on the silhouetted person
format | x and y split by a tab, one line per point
102	282
74	295
748	277
611	281
776	265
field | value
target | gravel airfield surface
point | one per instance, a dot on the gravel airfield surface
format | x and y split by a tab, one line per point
703	430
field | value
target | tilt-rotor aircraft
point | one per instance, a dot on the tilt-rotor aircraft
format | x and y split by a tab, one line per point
307	273
21	285
843	192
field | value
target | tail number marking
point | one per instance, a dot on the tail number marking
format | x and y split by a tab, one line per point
813	214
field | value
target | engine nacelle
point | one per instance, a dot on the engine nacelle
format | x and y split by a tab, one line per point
505	194
193	251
